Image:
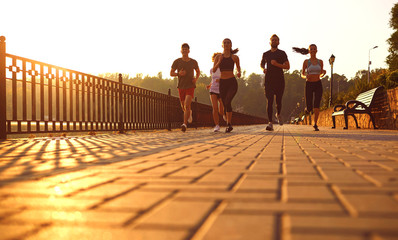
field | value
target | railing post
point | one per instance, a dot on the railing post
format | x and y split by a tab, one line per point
3	105
169	110
121	109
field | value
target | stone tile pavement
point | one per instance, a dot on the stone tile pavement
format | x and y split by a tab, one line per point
289	184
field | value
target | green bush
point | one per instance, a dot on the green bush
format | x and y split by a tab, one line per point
392	80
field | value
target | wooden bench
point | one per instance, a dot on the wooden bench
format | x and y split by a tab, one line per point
361	105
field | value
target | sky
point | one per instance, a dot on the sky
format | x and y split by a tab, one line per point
132	37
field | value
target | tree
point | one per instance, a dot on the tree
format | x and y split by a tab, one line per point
392	80
392	58
293	101
250	97
201	92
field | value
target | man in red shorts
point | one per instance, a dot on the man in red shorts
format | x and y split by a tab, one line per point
183	68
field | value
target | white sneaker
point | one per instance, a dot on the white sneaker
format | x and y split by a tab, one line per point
190	117
183	127
270	127
279	118
217	128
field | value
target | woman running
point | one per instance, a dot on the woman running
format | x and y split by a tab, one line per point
312	71
228	84
215	98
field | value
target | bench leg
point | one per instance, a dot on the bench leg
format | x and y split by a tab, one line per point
334	122
355	119
373	120
345	120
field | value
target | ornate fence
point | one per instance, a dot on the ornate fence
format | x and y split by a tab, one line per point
37	97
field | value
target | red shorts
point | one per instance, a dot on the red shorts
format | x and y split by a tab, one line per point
184	92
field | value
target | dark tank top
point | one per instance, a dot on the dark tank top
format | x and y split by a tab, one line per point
227	64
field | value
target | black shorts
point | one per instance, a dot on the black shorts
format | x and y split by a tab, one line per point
313	94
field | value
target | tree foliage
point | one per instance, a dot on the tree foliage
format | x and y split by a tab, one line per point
392	58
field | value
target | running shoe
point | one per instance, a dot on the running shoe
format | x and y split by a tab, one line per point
316	128
183	127
190	117
270	127
279	118
229	129
217	128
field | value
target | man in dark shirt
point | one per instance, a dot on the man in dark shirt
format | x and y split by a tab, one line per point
274	84
185	67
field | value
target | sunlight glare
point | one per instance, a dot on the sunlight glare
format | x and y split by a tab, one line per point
58	190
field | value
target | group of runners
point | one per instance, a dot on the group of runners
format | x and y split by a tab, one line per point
224	85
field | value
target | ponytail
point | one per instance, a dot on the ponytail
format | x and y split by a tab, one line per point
235	51
303	51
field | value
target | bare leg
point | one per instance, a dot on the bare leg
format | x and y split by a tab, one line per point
183	110
214	104
182	106
187	107
221	107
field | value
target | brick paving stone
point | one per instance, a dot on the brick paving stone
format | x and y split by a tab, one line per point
328	236
308	191
266	167
343	175
78	232
138	200
91	218
259	183
229	226
230	196
292	208
102	191
343	225
292	183
386	178
300	168
45	203
386	205
194	188
14	231
176	214
304	178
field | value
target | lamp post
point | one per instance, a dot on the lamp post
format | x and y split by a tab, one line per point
331	61
370	63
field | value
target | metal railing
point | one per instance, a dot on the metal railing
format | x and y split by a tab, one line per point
37	97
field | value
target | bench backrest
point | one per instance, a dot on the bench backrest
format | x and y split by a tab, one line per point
368	96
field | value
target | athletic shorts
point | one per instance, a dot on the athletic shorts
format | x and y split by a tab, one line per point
184	92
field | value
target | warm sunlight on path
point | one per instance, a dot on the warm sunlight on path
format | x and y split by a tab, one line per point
292	183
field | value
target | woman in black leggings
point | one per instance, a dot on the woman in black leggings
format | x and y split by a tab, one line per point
228	84
312	71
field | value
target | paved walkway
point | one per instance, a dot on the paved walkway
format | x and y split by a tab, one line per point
289	184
